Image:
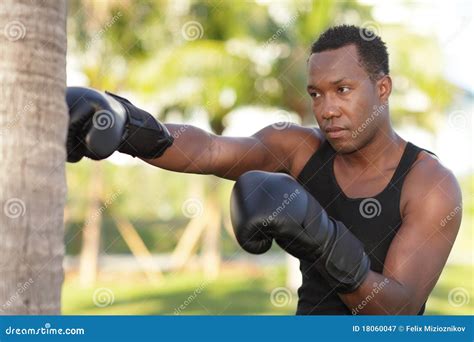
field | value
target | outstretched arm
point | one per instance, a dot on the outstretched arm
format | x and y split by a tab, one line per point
101	123
270	149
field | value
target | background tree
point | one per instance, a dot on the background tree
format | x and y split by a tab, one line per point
197	57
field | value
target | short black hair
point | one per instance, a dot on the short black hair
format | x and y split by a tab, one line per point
372	51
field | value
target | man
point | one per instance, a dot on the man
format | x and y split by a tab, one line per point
364	210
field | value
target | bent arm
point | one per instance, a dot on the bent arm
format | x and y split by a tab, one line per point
416	256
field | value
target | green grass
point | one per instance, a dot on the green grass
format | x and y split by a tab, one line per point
235	292
455	287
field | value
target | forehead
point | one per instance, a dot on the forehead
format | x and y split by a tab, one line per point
336	64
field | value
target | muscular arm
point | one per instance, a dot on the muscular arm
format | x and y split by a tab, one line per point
197	151
418	253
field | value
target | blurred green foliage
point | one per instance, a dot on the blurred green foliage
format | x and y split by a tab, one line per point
181	56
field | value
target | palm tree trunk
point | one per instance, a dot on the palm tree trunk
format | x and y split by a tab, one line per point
33	126
90	250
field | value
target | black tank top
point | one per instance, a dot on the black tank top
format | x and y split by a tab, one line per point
375	221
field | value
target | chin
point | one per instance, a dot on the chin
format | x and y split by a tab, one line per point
346	146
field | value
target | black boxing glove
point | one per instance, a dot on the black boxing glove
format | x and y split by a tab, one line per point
267	206
101	123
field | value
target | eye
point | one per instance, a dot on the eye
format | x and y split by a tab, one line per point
343	89
314	94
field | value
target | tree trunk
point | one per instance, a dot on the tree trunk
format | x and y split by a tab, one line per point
211	256
33	127
90	250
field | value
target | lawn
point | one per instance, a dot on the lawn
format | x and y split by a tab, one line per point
237	291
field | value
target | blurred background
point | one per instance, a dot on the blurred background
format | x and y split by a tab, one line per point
141	240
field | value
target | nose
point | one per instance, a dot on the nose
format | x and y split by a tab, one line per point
329	110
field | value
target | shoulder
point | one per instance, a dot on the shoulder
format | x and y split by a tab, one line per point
294	143
428	173
308	143
430	185
290	134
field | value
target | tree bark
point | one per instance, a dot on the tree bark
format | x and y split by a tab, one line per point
33	128
211	254
90	249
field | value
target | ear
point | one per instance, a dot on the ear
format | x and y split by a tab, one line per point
384	87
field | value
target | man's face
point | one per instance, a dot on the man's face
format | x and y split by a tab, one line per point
343	98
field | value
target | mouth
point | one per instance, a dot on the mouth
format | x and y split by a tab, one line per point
335	132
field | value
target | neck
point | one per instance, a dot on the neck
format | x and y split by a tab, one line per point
384	147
